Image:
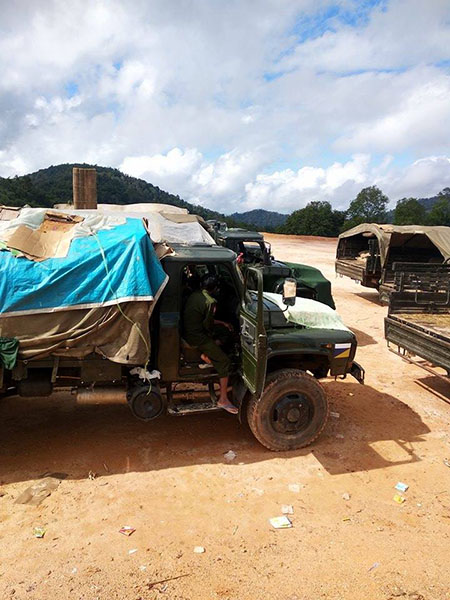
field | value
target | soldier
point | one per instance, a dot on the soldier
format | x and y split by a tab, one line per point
199	325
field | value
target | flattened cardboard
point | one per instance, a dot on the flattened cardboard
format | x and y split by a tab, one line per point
51	240
8	213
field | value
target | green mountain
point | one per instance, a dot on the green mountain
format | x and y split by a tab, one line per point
53	185
261	219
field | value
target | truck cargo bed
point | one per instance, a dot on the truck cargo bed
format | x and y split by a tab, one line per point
356	269
437	325
419	314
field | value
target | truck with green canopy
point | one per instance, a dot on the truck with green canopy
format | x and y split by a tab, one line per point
253	250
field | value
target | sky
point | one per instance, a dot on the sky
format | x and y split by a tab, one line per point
232	104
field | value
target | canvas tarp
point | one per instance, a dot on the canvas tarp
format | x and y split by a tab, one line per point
314	279
166	224
141	207
122	335
164	227
438	235
98	298
110	266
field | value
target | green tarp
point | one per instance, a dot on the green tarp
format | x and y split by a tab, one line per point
313	278
8	352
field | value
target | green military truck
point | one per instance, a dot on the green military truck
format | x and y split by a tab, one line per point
277	363
253	250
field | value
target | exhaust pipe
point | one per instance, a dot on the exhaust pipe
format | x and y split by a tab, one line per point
105	395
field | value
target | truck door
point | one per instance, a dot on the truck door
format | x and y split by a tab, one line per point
253	334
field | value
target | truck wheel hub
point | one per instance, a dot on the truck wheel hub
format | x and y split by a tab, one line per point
292	413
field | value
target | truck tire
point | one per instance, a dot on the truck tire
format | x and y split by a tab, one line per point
291	412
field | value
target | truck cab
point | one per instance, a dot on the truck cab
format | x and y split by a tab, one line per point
277	364
253	250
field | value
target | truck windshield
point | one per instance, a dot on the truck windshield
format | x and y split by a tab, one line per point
252	251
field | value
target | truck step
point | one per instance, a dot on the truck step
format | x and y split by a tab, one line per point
179	410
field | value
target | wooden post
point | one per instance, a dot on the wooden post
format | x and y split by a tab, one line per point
84	188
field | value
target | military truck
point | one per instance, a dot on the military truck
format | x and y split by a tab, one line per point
418	321
277	364
366	253
253	250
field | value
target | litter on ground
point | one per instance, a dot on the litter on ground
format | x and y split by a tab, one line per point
280	522
127	530
401	487
287	509
199	550
345	496
294	487
230	455
335	415
36	493
399	499
39	532
374	566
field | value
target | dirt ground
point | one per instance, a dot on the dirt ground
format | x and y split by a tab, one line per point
170	481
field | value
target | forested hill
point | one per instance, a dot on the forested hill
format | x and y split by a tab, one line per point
54	185
261	219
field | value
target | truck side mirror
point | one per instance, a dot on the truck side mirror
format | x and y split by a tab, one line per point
289	291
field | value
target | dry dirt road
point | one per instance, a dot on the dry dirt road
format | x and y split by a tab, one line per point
170	481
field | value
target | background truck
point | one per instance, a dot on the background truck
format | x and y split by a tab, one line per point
253	250
366	253
276	363
418	322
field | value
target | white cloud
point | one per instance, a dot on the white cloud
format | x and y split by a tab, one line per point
289	190
159	167
424	177
237	181
158	91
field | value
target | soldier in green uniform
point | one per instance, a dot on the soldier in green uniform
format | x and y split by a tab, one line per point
198	330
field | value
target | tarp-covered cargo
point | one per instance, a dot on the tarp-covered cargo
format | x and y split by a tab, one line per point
368	252
96	298
169	224
400	235
314	279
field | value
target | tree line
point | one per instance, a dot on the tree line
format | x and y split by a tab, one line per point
369	206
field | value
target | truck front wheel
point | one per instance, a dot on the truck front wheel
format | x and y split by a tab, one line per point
291	412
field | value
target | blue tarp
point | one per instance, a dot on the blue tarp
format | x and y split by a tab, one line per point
127	270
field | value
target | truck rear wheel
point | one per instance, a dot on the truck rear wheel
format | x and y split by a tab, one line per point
291	412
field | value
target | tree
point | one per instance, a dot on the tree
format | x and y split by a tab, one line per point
440	213
409	211
317	218
369	206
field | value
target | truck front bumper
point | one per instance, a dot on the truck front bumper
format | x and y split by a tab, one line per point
357	372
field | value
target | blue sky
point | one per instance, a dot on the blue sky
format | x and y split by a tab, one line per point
233	105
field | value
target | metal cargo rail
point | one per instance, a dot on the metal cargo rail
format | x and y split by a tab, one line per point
418	322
